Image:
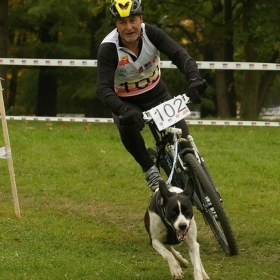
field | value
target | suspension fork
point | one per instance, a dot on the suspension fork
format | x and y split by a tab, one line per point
155	133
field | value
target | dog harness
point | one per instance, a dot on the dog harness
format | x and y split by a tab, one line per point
172	238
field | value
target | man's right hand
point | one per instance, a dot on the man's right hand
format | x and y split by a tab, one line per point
130	117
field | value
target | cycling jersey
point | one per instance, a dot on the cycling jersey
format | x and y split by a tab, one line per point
119	73
133	77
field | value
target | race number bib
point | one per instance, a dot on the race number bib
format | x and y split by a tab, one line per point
169	112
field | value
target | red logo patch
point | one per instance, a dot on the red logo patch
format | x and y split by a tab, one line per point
124	60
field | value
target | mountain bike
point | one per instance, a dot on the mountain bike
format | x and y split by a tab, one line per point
183	164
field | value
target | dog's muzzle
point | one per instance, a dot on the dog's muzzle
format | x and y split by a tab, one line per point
182	232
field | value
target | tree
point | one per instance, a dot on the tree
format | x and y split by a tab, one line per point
261	43
94	106
218	42
213	30
231	30
49	29
47	83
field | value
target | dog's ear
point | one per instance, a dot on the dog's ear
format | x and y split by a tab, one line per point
189	188
165	193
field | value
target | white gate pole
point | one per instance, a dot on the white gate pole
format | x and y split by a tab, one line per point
6	153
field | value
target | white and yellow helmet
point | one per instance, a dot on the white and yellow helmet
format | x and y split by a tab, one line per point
126	8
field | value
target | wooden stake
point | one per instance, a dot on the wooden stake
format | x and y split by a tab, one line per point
8	154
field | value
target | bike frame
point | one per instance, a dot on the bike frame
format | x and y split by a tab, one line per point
165	141
183	163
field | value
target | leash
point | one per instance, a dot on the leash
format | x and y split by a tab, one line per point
174	160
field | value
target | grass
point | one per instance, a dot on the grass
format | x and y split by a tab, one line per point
82	200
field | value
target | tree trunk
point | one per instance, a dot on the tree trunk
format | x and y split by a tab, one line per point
47	97
250	95
220	75
94	107
47	84
94	25
13	87
251	77
266	82
4	44
222	96
229	52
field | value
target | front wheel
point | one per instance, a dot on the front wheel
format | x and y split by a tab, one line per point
210	205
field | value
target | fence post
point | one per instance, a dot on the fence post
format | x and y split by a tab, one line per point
5	152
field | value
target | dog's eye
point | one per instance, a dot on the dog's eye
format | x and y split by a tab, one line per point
187	212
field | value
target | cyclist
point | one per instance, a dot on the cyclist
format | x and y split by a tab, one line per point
129	80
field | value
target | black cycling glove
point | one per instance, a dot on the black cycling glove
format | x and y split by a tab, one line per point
130	117
196	88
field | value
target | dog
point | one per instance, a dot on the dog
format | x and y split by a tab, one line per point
169	221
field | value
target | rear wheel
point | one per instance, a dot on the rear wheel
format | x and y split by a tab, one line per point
211	209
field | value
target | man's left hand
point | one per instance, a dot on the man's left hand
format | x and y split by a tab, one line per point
196	88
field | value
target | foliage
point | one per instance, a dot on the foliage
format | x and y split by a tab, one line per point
82	199
197	25
259	31
73	43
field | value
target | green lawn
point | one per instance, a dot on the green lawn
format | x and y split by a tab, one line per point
82	199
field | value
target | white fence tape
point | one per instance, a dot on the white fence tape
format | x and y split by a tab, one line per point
163	64
110	120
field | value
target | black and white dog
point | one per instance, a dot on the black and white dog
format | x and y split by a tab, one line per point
169	221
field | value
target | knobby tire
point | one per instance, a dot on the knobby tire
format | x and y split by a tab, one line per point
220	225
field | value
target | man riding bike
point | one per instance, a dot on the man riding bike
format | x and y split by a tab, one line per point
129	79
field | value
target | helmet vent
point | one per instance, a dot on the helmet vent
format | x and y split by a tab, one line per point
124	7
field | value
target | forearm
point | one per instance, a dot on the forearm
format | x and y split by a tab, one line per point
106	65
